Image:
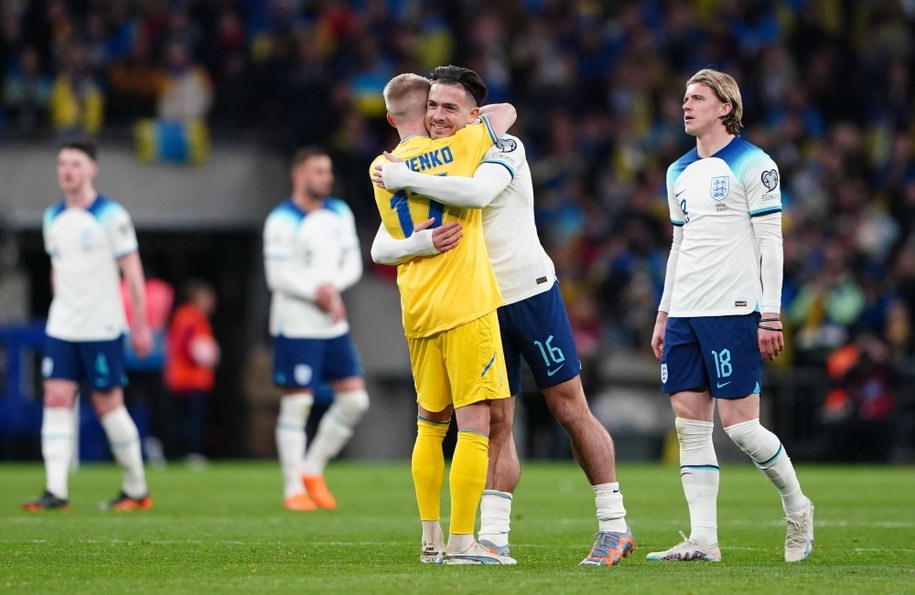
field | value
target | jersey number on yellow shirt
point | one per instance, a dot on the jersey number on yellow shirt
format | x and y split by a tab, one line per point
400	204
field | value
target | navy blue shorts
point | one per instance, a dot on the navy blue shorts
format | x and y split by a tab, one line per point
538	330
303	363
99	363
715	353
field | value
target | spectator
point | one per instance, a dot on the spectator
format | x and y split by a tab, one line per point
135	81
77	102
186	93
26	93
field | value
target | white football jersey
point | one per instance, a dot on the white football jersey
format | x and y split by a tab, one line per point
713	200
302	251
523	268
84	246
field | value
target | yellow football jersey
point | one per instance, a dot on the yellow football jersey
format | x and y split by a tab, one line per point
447	290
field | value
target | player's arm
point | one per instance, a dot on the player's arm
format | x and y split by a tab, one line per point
660	325
488	181
501	117
351	266
762	185
279	267
283	276
422	242
132	270
678	219
768	231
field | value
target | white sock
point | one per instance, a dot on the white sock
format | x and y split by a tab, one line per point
432	533
57	448
611	515
459	542
335	430
124	440
290	439
766	450
699	476
495	517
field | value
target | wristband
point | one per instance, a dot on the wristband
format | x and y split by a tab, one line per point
770	320
770	328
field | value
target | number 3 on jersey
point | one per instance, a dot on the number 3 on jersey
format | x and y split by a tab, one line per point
400	204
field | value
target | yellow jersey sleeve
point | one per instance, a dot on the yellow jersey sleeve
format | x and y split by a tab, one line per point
441	292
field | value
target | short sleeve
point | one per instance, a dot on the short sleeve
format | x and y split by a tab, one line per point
279	231
508	152
120	230
762	184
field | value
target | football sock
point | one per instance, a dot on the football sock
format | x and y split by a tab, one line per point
611	515
699	476
495	517
767	451
459	542
57	448
335	430
432	533
467	479
290	439
428	467
125	446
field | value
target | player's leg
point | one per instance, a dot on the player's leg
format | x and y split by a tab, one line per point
106	374
124	440
468	474
61	369
504	469
740	418
57	441
293	366
699	476
476	371
502	477
594	451
735	370
427	464
351	401
684	377
539	329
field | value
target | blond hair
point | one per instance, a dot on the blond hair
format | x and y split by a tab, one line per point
405	96
727	90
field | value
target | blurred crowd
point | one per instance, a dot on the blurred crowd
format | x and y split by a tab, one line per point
828	90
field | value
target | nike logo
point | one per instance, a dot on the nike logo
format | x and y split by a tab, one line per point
551	372
679	193
719	384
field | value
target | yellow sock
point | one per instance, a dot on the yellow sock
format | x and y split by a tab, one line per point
429	467
468	478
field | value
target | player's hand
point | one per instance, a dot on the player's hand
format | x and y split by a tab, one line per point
378	176
657	335
378	171
328	299
141	340
447	236
771	342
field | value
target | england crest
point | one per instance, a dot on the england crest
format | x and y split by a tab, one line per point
720	187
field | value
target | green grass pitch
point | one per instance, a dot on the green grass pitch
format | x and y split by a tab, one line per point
223	530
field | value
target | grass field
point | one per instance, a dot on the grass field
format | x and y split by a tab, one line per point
223	530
